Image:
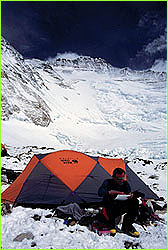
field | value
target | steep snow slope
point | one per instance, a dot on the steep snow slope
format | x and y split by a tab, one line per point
20	90
159	65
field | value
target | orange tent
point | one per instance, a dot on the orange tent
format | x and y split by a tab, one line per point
67	176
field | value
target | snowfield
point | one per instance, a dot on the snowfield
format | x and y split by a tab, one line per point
52	233
89	106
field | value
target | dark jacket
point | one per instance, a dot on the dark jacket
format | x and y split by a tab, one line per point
110	184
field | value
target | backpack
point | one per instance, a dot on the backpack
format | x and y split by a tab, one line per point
146	214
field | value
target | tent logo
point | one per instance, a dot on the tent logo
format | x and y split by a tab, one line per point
69	161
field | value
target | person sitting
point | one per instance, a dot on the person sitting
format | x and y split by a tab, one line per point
114	208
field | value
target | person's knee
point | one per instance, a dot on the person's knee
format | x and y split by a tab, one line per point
133	202
133	206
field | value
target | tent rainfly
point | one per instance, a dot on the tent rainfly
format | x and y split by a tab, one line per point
67	176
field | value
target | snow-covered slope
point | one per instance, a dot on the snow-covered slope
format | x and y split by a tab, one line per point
159	66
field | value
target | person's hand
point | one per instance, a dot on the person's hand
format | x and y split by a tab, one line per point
131	196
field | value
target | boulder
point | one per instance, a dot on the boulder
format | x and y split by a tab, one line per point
22	236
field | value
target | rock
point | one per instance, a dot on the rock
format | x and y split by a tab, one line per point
4	180
154	176
36	217
6	209
127	244
10	174
144	162
48	216
22	236
33	244
3	183
132	245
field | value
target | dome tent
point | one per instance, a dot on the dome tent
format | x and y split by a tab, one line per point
67	176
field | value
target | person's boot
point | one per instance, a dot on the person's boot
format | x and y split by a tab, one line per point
131	231
113	232
112	227
127	226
